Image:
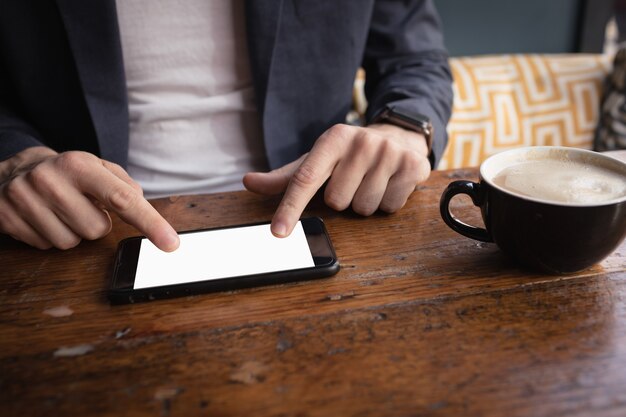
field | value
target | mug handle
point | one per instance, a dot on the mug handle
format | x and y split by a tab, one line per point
475	192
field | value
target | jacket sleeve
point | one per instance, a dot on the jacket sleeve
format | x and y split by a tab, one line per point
15	134
406	64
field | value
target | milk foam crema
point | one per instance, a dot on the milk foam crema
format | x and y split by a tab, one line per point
562	181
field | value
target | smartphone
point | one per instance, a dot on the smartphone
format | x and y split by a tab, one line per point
221	259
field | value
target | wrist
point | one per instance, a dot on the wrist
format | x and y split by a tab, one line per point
412	138
397	116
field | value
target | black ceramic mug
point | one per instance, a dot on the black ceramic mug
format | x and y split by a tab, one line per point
543	231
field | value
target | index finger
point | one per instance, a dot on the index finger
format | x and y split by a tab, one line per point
305	181
129	204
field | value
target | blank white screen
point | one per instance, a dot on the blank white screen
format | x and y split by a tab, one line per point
222	253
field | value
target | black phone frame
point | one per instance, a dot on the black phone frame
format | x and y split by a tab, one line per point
121	290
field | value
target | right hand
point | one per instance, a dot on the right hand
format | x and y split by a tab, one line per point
50	199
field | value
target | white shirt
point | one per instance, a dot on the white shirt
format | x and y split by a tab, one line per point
194	126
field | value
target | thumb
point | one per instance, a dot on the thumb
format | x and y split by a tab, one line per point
273	182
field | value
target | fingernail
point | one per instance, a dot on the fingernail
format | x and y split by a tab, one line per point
172	241
279	229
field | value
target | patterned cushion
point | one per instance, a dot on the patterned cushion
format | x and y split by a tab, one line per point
611	133
505	101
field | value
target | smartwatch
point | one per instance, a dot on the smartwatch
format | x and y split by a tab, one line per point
411	121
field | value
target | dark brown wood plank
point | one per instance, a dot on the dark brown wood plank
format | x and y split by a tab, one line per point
553	348
419	321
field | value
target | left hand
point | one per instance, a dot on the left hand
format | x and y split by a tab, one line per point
370	168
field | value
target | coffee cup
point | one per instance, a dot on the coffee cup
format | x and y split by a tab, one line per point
552	208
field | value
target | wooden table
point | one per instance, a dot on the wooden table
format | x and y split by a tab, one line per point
419	321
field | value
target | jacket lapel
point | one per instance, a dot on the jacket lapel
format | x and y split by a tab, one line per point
262	24
94	39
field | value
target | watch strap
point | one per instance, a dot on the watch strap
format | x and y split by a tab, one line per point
410	121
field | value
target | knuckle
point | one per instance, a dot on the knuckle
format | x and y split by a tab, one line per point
137	187
364	208
114	166
91	234
410	172
305	176
288	205
40	179
389	207
412	163
97	230
335	200
340	130
337	135
15	192
393	202
123	199
67	242
389	148
74	161
365	140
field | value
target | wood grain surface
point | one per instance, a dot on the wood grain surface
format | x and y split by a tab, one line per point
420	321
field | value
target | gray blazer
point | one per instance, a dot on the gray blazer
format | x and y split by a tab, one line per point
62	77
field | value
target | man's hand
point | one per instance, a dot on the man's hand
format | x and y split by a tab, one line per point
370	168
56	200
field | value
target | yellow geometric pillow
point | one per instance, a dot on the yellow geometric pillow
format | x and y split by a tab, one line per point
505	101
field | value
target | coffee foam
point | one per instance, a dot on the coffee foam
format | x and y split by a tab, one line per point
562	180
